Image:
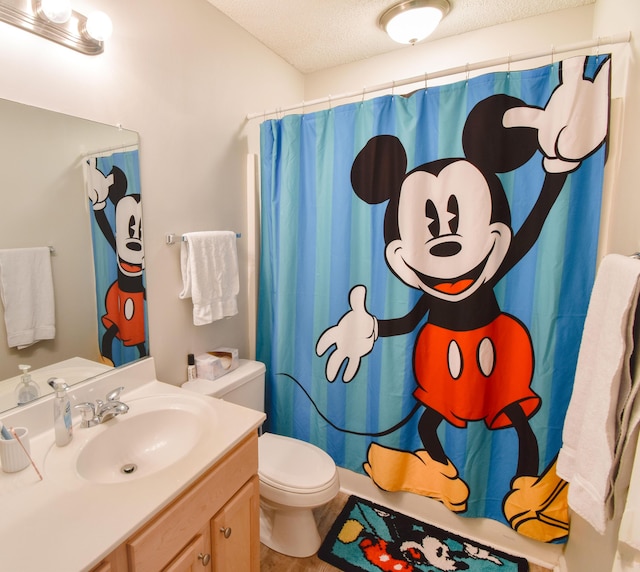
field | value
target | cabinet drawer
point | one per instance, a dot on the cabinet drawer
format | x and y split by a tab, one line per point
161	540
235	532
195	556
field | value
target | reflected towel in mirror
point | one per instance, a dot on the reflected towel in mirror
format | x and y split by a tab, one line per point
26	289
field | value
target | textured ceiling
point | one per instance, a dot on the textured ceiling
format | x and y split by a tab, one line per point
316	34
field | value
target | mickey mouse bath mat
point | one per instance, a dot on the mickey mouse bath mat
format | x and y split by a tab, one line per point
370	537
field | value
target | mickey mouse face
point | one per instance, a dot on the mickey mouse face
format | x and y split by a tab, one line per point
448	246
130	249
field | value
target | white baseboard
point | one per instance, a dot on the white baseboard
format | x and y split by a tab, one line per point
561	566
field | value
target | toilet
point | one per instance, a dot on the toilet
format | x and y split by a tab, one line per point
295	476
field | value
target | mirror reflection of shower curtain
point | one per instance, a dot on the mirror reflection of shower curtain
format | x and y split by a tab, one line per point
425	250
113	189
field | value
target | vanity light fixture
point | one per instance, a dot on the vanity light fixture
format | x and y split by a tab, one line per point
413	20
56	11
56	21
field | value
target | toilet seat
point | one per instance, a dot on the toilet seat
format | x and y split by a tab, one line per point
295	466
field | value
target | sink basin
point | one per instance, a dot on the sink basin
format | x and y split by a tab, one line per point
138	445
157	432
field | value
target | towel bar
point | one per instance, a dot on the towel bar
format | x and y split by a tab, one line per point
171	238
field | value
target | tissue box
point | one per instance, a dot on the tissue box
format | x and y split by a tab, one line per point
216	363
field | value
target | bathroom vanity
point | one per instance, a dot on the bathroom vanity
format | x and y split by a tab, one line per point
213	526
170	485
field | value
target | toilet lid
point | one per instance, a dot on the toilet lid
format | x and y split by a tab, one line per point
292	464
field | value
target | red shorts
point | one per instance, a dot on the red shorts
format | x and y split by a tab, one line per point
126	311
475	375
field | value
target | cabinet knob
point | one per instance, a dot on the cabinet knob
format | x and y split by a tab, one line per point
206	558
226	530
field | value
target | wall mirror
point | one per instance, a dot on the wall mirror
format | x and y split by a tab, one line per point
45	203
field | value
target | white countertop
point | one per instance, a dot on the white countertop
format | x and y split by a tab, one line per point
65	523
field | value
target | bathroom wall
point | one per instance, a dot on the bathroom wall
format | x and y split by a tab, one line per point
183	76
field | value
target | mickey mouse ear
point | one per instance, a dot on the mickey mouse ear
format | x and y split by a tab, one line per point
120	184
491	146
379	169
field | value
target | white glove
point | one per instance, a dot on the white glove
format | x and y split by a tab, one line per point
98	186
575	121
353	336
480	553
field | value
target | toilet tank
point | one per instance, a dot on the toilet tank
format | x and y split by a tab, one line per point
242	386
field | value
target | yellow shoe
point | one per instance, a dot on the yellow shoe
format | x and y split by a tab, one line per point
350	531
537	507
106	361
394	470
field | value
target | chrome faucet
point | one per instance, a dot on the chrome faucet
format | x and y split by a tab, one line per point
101	411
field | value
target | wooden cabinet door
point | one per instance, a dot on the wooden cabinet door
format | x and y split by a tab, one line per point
195	557
114	562
235	531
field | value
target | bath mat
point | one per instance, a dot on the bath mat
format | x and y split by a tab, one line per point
370	537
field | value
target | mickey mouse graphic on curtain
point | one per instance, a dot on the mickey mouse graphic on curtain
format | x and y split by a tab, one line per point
124	317
448	233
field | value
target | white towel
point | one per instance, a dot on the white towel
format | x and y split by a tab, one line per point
209	263
628	551
598	417
26	288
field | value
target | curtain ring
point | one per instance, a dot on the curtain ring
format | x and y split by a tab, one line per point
467	69
363	91
426	79
598	47
552	53
330	102
509	64
393	87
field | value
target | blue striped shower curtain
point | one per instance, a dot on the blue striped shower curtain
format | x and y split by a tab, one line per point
113	189
426	266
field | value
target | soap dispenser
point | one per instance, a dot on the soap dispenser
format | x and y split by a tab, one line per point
27	390
62	425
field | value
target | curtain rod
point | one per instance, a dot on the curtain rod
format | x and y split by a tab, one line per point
599	42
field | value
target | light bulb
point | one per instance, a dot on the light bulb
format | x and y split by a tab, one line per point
99	26
57	11
414	25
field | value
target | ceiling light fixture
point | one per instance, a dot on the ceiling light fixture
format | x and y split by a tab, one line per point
413	20
56	21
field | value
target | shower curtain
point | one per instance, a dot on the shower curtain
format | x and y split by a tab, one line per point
113	189
426	267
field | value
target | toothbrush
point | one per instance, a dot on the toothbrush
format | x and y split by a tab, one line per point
5	433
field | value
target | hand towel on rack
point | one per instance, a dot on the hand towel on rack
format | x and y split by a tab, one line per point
26	288
209	263
602	389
